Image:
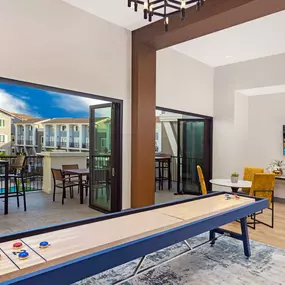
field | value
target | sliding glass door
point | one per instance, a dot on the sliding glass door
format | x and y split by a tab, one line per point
194	148
105	153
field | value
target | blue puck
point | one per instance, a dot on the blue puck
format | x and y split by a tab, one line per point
23	254
44	244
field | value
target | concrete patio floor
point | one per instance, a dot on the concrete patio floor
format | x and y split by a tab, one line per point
42	211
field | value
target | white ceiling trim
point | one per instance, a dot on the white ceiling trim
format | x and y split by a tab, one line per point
268	90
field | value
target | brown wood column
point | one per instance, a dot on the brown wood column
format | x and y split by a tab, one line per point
143	125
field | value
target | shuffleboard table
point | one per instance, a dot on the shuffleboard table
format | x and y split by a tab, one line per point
79	249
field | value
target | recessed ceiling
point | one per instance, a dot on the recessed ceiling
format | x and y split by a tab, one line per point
259	38
267	90
114	11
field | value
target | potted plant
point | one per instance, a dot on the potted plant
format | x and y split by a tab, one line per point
276	167
234	177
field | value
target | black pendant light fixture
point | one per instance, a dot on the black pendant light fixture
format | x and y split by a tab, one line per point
164	8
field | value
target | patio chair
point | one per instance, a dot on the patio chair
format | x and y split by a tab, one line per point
62	182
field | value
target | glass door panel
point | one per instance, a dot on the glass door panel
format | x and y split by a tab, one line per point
103	159
194	149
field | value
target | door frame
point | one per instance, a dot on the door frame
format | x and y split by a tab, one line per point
116	154
202	117
208	149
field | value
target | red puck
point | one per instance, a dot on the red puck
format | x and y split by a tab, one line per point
17	245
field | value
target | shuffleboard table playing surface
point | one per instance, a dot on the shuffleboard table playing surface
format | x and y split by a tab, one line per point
79	241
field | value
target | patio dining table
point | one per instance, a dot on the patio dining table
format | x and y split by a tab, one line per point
80	173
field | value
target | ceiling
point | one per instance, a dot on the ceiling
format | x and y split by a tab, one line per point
259	38
114	11
255	39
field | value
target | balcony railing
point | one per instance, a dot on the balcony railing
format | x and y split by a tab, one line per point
49	143
29	142
85	145
21	142
74	144
29	174
61	144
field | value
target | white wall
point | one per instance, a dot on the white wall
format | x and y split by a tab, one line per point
52	43
265	128
227	142
183	83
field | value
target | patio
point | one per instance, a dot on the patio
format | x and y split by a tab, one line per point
42	212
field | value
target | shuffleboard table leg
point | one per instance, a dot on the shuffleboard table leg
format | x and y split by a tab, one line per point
212	238
245	239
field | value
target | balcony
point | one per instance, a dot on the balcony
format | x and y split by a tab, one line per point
74	144
49	143
20	142
28	142
85	145
61	144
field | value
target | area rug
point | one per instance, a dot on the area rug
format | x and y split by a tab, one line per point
222	264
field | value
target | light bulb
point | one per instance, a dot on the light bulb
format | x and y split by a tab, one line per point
145	5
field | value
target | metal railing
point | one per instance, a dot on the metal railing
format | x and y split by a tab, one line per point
74	144
85	145
29	142
30	173
49	143
61	144
4	182
20	142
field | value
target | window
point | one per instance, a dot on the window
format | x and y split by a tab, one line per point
42	139
30	128
76	128
2	138
103	142
2	123
62	128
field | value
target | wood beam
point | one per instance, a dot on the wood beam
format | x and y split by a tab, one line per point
143	125
214	16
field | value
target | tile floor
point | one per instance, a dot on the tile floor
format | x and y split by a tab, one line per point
41	211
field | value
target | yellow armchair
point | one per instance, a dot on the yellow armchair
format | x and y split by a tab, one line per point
263	186
202	180
248	175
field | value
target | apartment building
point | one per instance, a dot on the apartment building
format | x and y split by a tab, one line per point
7	131
72	134
29	135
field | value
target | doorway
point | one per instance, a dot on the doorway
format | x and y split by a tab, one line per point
187	139
105	157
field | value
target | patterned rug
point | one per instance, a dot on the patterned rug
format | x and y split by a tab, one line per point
222	264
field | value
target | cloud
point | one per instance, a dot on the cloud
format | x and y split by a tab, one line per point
13	104
72	103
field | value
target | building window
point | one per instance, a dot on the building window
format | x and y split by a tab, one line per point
62	128
2	138
76	128
103	142
2	123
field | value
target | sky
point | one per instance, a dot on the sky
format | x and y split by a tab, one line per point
44	104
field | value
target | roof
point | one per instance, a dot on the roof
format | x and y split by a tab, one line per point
23	117
32	121
73	120
10	114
